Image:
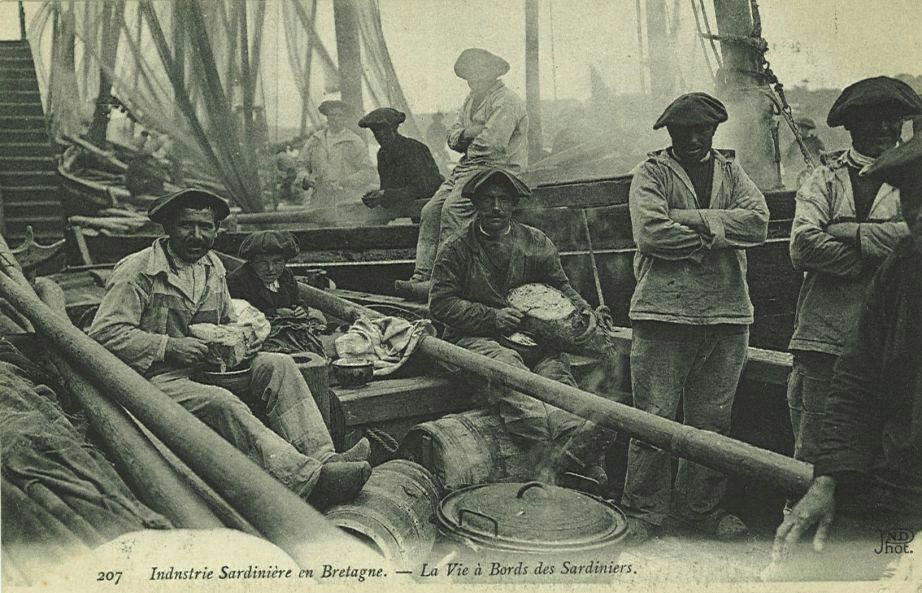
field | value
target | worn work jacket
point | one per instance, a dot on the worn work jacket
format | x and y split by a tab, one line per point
504	139
685	276
407	172
873	424
837	273
145	304
340	159
465	295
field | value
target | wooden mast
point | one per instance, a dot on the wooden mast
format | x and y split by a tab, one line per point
752	127
349	53
659	55
532	80
112	15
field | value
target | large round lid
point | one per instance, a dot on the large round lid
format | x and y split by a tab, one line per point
531	516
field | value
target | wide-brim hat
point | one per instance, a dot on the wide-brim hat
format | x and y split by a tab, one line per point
880	92
693	109
475	63
487	177
331	105
164	206
382	117
270	242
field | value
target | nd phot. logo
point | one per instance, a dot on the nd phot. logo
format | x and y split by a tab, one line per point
895	540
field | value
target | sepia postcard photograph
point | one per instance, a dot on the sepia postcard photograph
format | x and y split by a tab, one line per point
488	295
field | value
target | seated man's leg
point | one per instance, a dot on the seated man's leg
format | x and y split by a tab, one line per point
290	409
523	416
579	441
458	211
227	415
430	225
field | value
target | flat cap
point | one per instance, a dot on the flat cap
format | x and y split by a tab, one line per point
806	122
163	207
488	177
693	109
475	63
333	105
269	242
383	116
874	93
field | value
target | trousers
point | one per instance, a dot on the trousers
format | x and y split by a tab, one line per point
699	366
559	440
295	443
808	385
445	214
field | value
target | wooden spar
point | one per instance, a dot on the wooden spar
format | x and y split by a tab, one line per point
144	469
179	57
659	52
111	33
752	126
349	54
533	80
707	448
640	51
246	75
284	519
308	61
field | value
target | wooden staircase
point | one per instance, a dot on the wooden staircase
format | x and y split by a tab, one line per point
29	181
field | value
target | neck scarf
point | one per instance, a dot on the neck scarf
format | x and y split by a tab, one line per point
857	160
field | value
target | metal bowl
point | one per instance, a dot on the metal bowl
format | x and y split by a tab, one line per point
352	372
237	381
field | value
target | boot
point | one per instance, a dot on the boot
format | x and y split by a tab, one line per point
412	290
358	452
339	482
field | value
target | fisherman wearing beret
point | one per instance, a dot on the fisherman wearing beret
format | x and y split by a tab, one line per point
694	212
845	224
865	500
473	273
490	131
405	166
334	161
795	165
154	295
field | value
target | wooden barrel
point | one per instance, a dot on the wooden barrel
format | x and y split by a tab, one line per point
466	449
393	512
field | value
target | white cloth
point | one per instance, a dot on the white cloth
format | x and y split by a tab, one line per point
386	341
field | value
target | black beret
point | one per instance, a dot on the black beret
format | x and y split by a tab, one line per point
383	116
487	177
476	63
165	206
874	93
332	105
269	242
693	109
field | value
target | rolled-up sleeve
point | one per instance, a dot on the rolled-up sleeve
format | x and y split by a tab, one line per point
117	326
656	234
446	301
745	222
812	248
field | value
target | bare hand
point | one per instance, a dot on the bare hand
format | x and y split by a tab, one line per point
817	507
508	319
846	232
373	198
186	350
472	132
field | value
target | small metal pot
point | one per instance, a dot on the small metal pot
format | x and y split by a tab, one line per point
350	372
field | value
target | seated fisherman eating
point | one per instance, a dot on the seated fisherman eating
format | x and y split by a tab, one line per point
473	273
155	295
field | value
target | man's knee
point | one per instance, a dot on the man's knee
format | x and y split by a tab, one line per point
272	361
505	355
214	398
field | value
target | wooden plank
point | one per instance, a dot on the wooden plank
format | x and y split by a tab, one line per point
387	399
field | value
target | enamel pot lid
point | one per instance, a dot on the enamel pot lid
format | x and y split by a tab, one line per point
531	517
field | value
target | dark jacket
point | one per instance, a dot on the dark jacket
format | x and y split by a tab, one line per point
243	283
873	426
465	295
407	172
